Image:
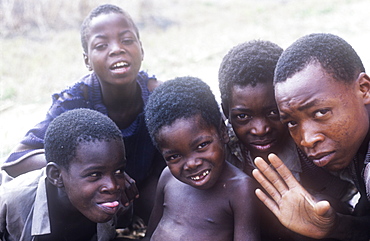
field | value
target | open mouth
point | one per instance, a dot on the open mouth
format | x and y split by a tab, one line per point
120	67
200	176
109	207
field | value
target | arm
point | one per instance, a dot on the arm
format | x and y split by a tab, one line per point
157	211
298	210
244	205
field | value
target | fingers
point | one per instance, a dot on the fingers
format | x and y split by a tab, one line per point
270	189
131	192
322	208
269	203
283	171
271	178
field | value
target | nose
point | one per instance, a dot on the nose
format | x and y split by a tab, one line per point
192	163
310	137
110	185
260	127
116	48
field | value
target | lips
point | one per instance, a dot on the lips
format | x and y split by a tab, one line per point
321	159
200	176
119	67
262	145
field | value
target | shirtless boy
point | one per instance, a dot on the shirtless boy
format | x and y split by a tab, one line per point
199	196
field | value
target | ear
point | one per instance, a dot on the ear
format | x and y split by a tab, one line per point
364	87
225	110
223	133
54	176
87	62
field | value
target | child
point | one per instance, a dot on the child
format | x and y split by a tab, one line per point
78	194
113	51
323	94
199	196
248	102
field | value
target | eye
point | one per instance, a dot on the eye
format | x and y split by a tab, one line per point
203	145
101	46
119	171
273	114
321	113
127	41
172	158
291	124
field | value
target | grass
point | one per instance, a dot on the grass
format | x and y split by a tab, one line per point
187	38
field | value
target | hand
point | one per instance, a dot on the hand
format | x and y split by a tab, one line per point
295	208
131	191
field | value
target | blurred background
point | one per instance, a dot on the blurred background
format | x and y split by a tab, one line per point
40	50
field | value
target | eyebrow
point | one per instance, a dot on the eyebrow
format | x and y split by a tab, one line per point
102	36
302	107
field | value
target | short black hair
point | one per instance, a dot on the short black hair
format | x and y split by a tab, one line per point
333	53
73	127
182	97
102	9
248	63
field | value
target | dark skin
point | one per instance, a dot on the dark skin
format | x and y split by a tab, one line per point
254	116
87	192
115	54
200	196
321	113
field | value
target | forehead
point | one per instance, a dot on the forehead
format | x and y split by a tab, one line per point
104	153
110	22
311	84
190	126
260	95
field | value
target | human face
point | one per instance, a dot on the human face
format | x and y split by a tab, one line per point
194	151
114	50
254	116
327	118
95	179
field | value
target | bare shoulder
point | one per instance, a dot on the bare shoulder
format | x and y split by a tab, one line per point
240	181
153	83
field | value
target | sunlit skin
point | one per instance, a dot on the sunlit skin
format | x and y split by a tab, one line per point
254	116
112	40
200	196
327	118
192	149
95	180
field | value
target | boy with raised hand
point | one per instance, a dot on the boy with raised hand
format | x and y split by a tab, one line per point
323	94
200	196
77	196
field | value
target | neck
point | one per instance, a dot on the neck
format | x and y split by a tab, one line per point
121	97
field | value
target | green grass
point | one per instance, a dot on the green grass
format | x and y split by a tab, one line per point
39	63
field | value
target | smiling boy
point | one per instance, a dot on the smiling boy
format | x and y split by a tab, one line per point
199	196
322	92
116	87
78	195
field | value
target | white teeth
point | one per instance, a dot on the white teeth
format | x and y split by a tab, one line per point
120	64
196	178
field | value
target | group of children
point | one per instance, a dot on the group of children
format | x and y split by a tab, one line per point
194	170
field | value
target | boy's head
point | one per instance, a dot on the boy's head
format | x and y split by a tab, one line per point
322	92
112	47
246	85
100	10
185	123
86	161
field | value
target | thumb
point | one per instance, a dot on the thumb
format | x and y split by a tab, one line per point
322	208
